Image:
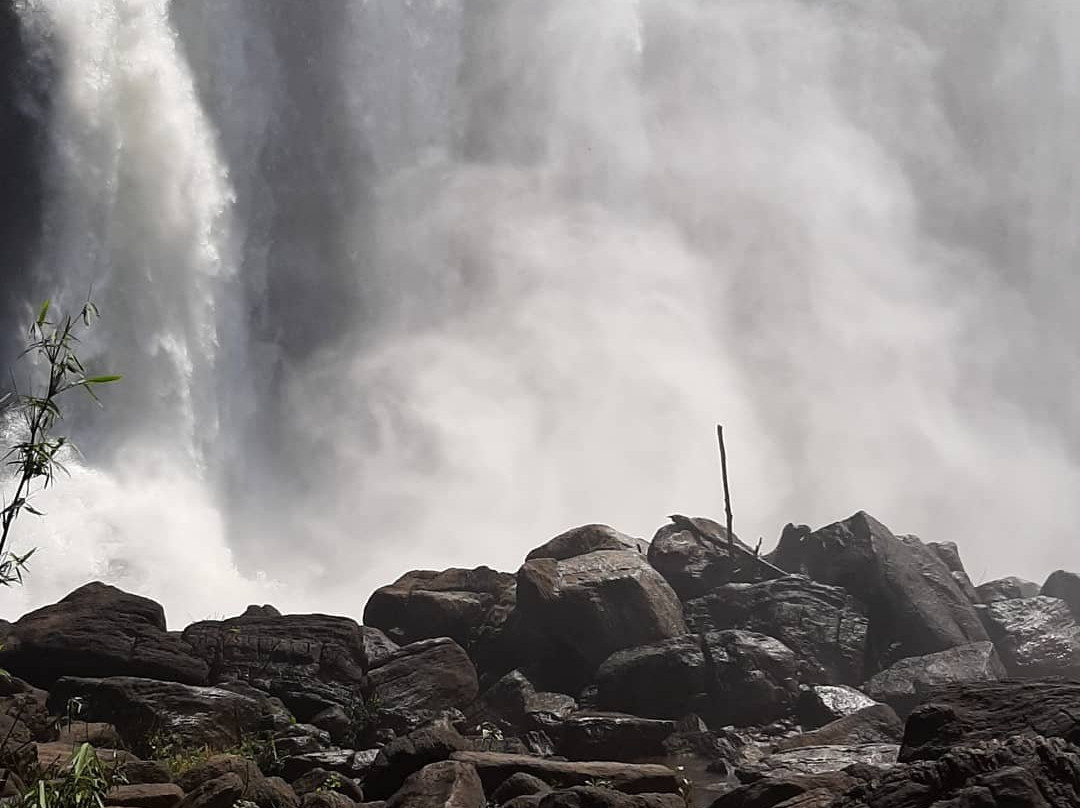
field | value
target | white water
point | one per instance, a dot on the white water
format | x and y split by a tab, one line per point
421	284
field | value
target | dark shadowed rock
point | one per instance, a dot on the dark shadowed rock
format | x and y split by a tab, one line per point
327	799
788	790
519	785
594	797
665	679
516	707
428	675
822	704
146	771
633	778
876	724
1014	773
752	678
971	713
612	736
587	607
28	704
1035	636
448	784
321	780
98	631
193	716
1010	588
587	539
822	624
266	792
906	683
949	554
914	605
1065	586
695	561
404	756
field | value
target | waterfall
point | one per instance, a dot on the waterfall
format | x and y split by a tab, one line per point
421	284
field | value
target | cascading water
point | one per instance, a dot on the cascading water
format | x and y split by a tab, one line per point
422	283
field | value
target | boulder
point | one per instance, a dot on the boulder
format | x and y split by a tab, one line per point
1014	772
327	799
343	762
695	558
145	795
752	678
404	756
913	604
27	704
514	706
877	724
1010	588
141	708
595	797
905	684
224	792
94	733
448	784
1036	637
665	679
429	675
822	704
824	759
587	539
1065	586
98	631
949	554
974	713
612	736
469	606
266	792
519	785
585	608
321	780
823	625
145	772
633	778
789	790
55	755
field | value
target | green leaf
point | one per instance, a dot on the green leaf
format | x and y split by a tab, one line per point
102	379
44	311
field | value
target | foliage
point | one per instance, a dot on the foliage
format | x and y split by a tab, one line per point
363	717
490	736
84	783
178	758
34	460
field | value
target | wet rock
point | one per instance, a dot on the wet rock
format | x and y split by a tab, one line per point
1064	586
612	736
665	679
587	539
138	708
821	704
696	561
822	624
448	784
633	778
914	605
752	678
429	675
949	554
906	683
98	631
404	756
1036	637
1010	588
877	724
587	607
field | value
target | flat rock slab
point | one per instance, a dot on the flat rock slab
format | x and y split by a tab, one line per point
632	778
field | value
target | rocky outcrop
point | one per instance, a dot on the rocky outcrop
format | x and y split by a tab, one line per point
584	540
587	607
1035	636
914	605
98	631
906	683
665	679
1010	588
822	624
751	679
425	676
1065	586
695	558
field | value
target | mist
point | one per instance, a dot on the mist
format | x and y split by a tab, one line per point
419	285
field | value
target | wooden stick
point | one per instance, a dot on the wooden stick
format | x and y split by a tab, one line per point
727	491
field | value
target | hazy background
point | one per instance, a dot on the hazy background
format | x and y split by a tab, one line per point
422	283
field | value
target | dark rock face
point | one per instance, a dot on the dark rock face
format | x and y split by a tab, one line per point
516	707
822	624
1035	636
752	678
914	605
695	561
194	716
587	539
1065	586
1019	773
878	724
448	784
661	680
632	778
612	736
98	631
973	713
949	554
587	607
822	704
403	756
430	675
906	683
1010	588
